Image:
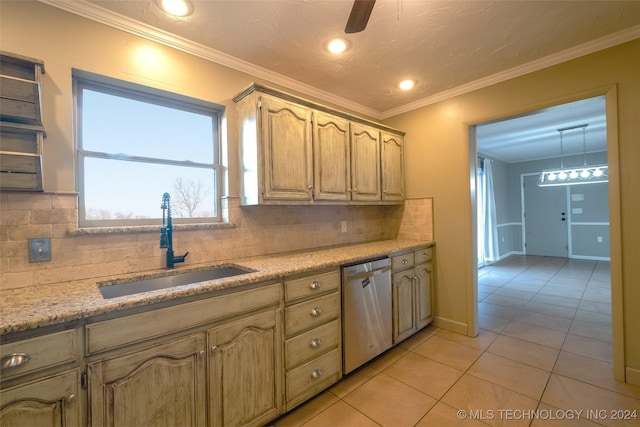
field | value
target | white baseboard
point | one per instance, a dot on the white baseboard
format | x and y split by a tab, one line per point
632	376
450	325
591	258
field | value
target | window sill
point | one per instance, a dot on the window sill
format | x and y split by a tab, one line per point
132	229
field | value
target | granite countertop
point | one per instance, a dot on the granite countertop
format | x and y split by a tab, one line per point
38	306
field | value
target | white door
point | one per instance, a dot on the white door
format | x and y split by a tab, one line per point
545	220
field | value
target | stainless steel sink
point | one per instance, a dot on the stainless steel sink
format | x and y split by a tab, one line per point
135	287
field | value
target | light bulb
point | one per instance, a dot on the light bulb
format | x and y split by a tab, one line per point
176	7
337	46
585	174
573	174
552	176
406	84
562	175
597	172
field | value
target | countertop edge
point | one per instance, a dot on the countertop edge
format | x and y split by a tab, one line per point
24	309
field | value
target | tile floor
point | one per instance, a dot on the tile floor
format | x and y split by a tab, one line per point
542	358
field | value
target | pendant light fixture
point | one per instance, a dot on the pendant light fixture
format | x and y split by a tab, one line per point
584	174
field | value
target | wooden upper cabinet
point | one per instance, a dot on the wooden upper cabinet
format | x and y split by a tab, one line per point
332	163
392	167
294	151
365	162
286	139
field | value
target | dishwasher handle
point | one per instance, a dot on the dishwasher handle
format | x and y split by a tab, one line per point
366	274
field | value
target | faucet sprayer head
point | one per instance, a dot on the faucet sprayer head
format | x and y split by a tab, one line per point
166	199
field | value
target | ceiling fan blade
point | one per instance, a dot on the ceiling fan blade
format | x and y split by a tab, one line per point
359	16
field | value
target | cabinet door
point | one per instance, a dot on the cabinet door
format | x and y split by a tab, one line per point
51	401
159	386
245	371
365	163
403	305
392	167
286	139
332	164
424	308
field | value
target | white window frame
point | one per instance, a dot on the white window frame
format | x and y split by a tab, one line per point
85	80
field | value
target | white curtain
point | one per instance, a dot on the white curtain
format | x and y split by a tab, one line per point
488	246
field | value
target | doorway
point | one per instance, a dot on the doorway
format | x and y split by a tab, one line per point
545	219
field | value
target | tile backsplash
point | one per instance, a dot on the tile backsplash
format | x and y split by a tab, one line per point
256	230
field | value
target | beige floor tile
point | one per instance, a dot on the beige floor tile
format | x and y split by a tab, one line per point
603	319
515	376
550	322
563	392
474	394
515	293
424	374
458	356
498	310
592	371
532	354
305	412
492	323
589	347
551	309
386	359
548	416
591	330
389	402
417	339
443	415
510	302
537	334
481	341
557	300
341	414
353	381
599	307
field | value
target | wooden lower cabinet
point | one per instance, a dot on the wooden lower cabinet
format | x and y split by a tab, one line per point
164	385
245	371
47	402
404	324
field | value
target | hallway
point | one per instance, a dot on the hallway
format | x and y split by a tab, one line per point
543	353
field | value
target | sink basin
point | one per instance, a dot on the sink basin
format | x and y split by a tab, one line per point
164	282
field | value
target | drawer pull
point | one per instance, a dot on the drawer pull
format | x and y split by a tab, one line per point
425	255
315	343
70	398
317	373
316	312
314	286
13	360
405	261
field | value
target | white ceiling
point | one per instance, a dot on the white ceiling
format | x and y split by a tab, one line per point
448	46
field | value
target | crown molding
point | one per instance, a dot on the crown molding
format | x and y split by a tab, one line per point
131	26
611	40
107	17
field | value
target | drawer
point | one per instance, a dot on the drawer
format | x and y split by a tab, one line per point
400	262
312	343
306	315
314	376
40	352
102	336
311	285
423	255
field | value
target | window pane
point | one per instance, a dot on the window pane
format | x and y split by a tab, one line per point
113	124
116	189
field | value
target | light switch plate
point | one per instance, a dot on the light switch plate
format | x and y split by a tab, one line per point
40	249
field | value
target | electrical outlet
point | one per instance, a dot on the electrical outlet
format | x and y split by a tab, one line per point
599	239
343	226
40	249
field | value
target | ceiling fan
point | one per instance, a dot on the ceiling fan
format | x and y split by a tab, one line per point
359	16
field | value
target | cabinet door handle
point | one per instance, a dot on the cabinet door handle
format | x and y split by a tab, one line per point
214	348
314	286
13	360
425	255
316	311
317	373
315	343
70	398
202	352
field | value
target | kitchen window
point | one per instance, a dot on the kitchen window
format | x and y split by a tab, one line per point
134	143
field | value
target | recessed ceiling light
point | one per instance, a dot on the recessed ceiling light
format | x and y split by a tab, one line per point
176	7
406	84
337	46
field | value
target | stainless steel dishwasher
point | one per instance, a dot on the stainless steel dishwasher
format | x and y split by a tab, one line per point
366	312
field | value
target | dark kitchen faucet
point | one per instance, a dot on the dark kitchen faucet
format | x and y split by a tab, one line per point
166	232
